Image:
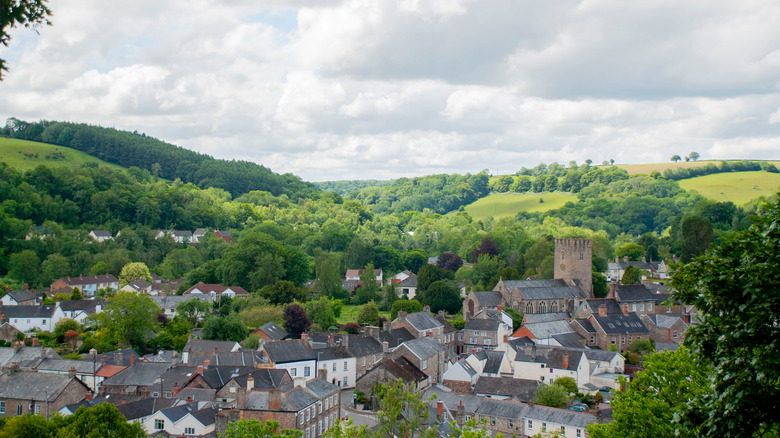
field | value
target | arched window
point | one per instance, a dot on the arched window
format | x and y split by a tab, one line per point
529	308
471	307
563	256
554	307
543	307
582	255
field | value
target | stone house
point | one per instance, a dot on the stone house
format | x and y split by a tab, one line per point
389	370
420	324
428	355
23	393
666	327
88	285
604	329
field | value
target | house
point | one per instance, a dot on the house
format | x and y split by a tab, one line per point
366	350
389	370
198	234
21	297
639	298
427	354
460	377
666	328
168	303
607	328
420	324
87	285
508	417
310	406
24	393
29	318
616	269
339	365
137	379
80	309
505	388
193	419
550	331
354	274
87	372
408	286
271	331
490	363
296	356
138	285
101	235
486	330
225	235
215	291
546	364
25	358
165	287
9	333
394	337
264	379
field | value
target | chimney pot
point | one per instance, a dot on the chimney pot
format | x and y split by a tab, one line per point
439	410
625	309
625	258
132	359
304	336
206	363
565	361
36	342
72	372
189	400
603	310
200	369
250	383
88	396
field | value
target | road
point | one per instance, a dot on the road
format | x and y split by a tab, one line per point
360	418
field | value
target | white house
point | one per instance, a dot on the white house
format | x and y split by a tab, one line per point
547	364
340	366
295	356
101	235
27	318
80	309
194	419
21	297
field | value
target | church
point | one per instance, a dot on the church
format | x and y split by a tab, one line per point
573	283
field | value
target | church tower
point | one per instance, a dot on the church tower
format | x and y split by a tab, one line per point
574	261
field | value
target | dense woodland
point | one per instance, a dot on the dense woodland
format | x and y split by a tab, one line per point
159	158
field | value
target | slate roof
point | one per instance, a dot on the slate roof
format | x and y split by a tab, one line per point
28	311
362	345
139	374
206	346
623	265
101	233
266	378
522	389
87	306
21	295
167	285
448	327
585	324
570	340
29	357
94	279
217	376
144	407
543	289
331	353
171	301
638	292
533	318
293	350
197	394
139	284
242	357
423	321
489	298
274	331
206	416
466	367
424	347
33	386
519	342
402	368
121	357
619	324
543	330
551	356
612	305
395	337
665	321
64	365
490	325
492	360
410	281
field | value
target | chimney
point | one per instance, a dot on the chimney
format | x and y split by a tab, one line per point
275	400
304	336
93	352
7	289
72	372
427	308
215	349
189	399
175	388
118	358
644	260
565	361
687	318
624	308
145	392
611	293
250	383
18	346
322	374
625	258
506	338
499	308
200	369
439	410
386	326
88	396
36	342
603	310
460	414
299	381
206	364
385	346
132	359
331	340
401	315
345	340
616	259
24	286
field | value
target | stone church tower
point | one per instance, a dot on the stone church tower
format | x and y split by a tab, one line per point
573	261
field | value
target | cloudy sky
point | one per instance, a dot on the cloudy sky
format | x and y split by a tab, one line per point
330	89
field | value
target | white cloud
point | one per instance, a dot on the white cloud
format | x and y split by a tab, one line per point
368	89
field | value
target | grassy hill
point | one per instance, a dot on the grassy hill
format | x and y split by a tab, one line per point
509	204
636	169
25	155
739	187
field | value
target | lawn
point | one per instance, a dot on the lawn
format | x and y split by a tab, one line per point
26	155
737	187
509	204
349	313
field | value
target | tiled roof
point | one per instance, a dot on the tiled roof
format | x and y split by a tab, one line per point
139	374
274	331
423	321
395	337
424	347
544	289
21	295
522	389
489	298
490	325
33	386
289	351
206	346
28	311
618	324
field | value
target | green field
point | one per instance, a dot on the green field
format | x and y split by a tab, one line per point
26	155
349	313
737	187
509	204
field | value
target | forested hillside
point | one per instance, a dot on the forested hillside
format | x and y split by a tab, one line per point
161	159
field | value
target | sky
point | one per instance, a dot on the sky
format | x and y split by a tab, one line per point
380	89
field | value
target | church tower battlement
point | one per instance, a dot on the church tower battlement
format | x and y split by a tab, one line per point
574	261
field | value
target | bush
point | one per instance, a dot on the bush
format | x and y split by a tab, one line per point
352	328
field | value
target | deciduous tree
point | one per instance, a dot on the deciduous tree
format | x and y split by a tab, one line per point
14	13
132	316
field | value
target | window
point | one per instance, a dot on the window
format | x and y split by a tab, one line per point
530	424
468	417
473	340
2	407
641	306
345	366
511	423
308	414
493	420
425	364
326	423
374	358
633	307
303	417
582	255
155	394
159	424
592	338
37	409
334	367
460	336
346	381
487	341
544	427
579	433
306	371
364	361
189	431
232	389
563	430
674	335
293	371
19	409
319	427
649	306
44	321
613	340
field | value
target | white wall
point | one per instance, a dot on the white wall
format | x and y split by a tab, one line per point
340	374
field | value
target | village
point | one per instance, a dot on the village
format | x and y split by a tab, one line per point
487	371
